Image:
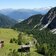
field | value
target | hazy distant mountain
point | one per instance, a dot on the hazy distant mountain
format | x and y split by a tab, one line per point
6	11
22	14
6	21
43	10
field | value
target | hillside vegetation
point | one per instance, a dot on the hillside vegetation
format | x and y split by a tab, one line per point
6	35
29	23
46	40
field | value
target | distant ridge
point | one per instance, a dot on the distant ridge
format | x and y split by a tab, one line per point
22	14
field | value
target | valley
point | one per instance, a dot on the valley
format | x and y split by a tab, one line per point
33	36
27	27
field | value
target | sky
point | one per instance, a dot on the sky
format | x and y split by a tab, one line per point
26	4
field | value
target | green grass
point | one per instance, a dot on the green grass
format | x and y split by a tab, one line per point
6	35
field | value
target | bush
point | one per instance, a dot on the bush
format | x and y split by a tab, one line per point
14	39
11	40
43	49
13	53
20	39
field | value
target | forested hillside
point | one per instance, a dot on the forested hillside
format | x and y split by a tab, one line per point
29	23
6	21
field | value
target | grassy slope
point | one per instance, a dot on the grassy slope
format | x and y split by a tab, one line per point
6	35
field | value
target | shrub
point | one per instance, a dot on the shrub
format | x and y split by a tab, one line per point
13	53
11	40
14	39
20	39
43	49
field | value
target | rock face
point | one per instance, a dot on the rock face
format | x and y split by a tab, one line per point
49	20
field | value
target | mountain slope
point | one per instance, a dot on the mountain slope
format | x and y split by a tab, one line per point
29	23
49	20
6	21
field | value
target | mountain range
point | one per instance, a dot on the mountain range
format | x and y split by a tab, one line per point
22	14
44	21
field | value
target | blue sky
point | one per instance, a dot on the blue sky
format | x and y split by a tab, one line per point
27	4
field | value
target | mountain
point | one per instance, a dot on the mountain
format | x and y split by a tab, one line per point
6	11
46	40
6	21
46	21
29	23
22	14
49	20
43	10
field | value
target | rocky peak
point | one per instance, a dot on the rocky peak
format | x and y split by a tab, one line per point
49	20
